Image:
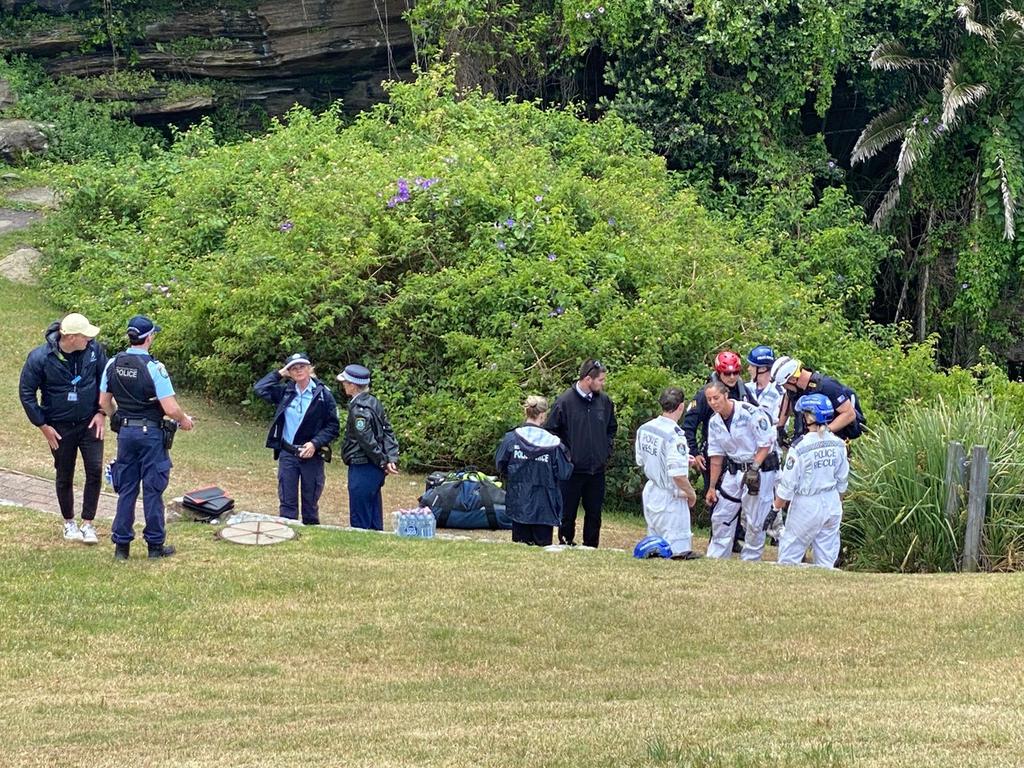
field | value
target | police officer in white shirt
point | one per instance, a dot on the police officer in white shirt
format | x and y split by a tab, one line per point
741	449
815	475
668	496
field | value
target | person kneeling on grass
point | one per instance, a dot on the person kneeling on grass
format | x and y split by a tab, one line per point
814	477
668	496
534	461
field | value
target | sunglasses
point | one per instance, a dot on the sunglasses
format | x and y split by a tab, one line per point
597	367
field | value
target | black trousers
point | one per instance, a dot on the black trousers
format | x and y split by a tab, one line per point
535	535
590	490
75	439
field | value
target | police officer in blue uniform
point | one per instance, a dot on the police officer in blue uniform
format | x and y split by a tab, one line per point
305	424
848	420
370	450
141	388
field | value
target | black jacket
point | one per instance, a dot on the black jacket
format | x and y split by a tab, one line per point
369	438
49	370
320	424
533	460
587	427
700	413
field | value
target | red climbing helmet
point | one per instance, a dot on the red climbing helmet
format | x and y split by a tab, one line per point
728	362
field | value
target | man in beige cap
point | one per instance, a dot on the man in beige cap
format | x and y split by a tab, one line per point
66	370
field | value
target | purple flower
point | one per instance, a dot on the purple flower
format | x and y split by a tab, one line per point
510	223
940	128
392	202
925	120
403	187
557	312
538	198
501	245
612	222
964	286
552	257
285	226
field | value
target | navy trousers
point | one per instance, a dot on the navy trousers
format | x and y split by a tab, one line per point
75	439
300	478
141	458
590	490
365	505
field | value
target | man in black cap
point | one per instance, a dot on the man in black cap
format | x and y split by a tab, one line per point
141	388
66	370
305	423
370	450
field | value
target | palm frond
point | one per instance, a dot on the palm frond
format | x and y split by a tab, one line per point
956	96
1009	206
887	206
972	25
880	133
892	56
915	141
1010	16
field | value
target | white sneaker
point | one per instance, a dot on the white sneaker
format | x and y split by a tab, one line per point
71	532
88	531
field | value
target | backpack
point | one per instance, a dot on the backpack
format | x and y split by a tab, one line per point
466	499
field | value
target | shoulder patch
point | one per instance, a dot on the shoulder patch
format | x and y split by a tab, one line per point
360	424
162	370
762	423
790	462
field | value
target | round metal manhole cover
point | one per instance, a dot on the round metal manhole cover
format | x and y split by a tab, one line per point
257	533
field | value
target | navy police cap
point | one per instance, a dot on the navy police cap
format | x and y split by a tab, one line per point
140	327
355	374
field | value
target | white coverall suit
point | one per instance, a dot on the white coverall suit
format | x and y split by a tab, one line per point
815	473
769	400
661	450
749	430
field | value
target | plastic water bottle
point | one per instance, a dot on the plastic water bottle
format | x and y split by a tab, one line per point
396	521
409	527
431	527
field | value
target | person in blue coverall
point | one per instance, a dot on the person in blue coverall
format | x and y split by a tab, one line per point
141	388
305	423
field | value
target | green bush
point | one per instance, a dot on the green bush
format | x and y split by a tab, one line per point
894	517
468	250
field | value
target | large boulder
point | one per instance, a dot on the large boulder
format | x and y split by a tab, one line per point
19	138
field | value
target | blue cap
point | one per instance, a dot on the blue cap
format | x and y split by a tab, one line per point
355	374
141	327
297	359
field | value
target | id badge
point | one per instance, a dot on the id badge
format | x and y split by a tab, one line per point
72	397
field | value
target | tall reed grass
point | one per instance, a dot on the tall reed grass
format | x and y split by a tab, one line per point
894	516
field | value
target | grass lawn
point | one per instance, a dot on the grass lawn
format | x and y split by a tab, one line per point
359	649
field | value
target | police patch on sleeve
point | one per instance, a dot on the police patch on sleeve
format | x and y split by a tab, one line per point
762	424
360	424
162	370
790	462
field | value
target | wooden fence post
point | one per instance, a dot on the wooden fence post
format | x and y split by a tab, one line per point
977	496
955	477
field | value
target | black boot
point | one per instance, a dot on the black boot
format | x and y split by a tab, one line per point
121	551
160	550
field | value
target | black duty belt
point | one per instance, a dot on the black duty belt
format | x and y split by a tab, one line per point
770	464
131	421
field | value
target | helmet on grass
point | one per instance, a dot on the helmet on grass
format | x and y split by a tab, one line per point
652	546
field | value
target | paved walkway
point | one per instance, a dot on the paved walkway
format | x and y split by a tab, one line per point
20	490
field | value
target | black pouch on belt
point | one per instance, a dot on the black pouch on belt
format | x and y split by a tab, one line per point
169	427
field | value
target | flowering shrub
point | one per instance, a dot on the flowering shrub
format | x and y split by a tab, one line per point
468	251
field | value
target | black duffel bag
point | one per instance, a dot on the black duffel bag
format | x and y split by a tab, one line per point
466	499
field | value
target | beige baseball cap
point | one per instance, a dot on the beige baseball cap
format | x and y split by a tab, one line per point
76	323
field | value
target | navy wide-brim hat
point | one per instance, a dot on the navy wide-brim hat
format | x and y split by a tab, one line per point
355	374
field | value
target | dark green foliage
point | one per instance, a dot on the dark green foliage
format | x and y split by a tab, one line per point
521	242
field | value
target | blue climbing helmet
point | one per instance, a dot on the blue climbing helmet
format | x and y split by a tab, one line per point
761	357
819	406
652	546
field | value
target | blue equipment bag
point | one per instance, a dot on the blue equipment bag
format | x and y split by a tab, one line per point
466	499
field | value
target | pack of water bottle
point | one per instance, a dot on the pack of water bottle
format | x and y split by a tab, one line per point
417	523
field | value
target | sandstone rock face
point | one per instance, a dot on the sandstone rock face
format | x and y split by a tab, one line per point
345	47
19	138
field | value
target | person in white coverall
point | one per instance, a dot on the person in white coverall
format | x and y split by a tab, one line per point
668	496
814	477
741	448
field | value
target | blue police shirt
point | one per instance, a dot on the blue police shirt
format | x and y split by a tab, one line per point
161	379
296	410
